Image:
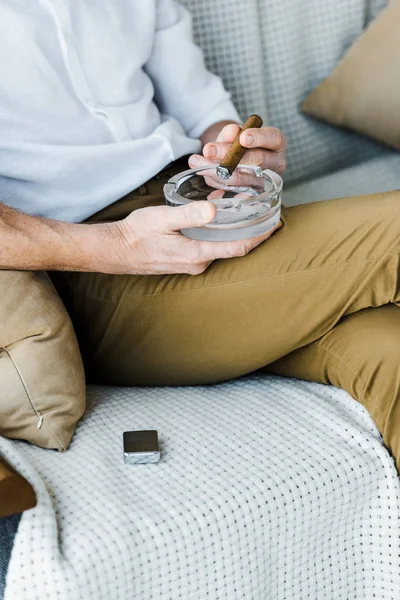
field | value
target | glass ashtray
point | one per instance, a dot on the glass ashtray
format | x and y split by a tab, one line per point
248	203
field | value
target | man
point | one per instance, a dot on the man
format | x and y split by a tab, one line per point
97	100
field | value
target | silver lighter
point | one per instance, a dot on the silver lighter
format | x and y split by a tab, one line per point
141	447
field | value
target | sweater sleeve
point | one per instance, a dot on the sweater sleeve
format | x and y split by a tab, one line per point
184	87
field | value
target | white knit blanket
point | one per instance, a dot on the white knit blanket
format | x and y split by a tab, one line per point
268	489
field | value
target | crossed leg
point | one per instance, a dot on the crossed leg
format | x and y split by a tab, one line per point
322	292
362	356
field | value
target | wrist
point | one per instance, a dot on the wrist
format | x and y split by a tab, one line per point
94	248
106	246
61	246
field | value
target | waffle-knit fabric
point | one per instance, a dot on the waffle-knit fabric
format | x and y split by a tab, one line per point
267	489
272	53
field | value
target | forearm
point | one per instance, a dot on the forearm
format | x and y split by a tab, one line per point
33	243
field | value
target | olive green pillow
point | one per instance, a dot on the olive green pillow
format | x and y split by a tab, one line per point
42	384
363	92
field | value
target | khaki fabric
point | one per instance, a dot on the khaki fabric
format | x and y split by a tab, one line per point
361	355
16	493
42	386
328	263
363	92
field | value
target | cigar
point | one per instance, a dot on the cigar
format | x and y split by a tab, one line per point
236	151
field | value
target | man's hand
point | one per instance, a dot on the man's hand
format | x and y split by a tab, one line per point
149	242
266	148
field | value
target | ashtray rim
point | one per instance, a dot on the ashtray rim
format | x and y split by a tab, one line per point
171	193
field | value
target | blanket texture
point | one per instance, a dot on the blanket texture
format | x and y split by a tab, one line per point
267	488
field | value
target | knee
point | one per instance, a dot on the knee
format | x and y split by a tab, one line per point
390	200
389	203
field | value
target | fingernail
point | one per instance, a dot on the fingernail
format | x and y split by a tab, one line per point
249	139
212	151
194	161
205	211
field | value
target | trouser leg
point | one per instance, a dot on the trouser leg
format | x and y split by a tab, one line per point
330	259
362	356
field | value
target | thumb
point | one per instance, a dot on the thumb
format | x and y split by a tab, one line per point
194	214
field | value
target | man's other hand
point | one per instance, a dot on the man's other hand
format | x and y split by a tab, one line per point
266	148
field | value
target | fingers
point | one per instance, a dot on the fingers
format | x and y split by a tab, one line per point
266	159
228	133
216	195
213	180
216	151
215	250
197	161
240	178
266	148
269	138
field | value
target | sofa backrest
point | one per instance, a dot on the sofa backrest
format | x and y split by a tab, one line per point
272	53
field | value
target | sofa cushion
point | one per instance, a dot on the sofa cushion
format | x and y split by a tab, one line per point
42	386
363	92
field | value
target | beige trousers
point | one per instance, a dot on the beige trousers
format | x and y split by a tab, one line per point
319	300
